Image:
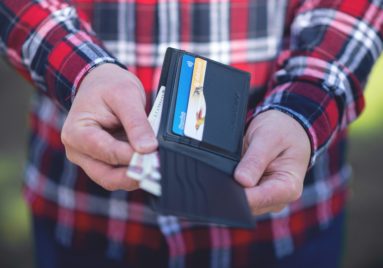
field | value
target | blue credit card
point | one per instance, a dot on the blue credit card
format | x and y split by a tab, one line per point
183	91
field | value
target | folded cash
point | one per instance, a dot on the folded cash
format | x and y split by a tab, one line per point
144	168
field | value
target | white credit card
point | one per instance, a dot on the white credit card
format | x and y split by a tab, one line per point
151	186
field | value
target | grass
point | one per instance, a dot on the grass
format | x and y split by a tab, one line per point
14	224
370	122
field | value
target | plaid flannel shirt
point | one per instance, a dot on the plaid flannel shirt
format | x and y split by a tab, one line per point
309	59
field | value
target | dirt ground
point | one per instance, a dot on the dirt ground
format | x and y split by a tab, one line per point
364	242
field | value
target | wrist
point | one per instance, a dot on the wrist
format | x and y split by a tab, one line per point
293	121
95	71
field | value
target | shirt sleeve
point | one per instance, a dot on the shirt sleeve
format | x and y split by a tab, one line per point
49	45
321	73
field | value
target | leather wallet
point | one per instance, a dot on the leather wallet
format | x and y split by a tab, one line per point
197	175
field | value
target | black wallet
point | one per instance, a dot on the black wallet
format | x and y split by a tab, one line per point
197	176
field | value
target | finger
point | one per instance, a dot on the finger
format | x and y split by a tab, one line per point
99	144
109	177
272	209
262	149
131	112
274	190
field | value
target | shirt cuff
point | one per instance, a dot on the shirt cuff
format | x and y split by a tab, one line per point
68	63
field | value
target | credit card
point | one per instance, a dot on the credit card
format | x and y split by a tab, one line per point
183	91
196	110
151	186
144	168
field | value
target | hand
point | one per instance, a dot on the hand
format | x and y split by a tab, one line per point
110	102
277	154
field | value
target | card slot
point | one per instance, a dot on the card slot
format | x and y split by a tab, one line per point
185	172
226	94
180	183
173	169
226	165
197	191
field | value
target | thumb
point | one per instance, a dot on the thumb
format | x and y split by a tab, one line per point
262	150
129	106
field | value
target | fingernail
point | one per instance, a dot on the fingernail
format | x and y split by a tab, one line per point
147	142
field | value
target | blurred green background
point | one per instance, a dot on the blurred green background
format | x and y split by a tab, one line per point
364	242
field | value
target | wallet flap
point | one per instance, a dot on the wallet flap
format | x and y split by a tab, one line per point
226	93
193	189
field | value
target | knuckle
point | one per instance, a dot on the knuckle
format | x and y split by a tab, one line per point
95	144
93	140
108	185
112	157
65	136
69	156
131	185
296	190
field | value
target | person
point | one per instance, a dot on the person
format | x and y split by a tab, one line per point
96	64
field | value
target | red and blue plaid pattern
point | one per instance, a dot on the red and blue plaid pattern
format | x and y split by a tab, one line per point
309	59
